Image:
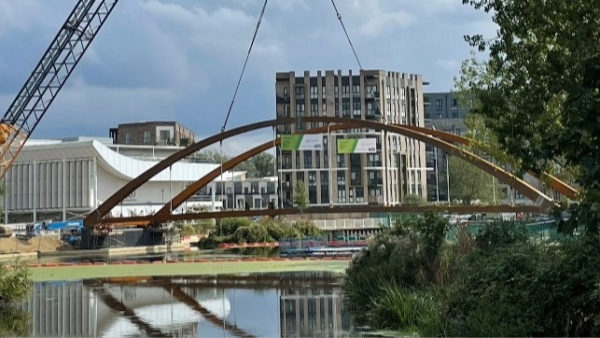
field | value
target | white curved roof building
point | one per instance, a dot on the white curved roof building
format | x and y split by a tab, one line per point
64	179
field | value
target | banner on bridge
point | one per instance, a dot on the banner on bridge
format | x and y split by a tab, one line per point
302	142
356	145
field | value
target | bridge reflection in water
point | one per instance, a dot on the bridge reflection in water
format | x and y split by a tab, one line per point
287	305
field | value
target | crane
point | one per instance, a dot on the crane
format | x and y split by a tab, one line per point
49	76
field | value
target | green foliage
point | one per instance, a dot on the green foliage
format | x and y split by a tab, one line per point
228	226
406	256
15	283
188	230
500	234
490	295
469	183
413	312
307	229
568	290
13	322
260	165
300	197
244	230
251	234
539	90
413	200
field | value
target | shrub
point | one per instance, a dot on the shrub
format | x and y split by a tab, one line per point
187	230
405	256
412	311
308	229
278	229
228	226
251	234
491	293
15	283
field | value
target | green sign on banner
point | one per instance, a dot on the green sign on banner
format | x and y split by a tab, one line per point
346	145
290	142
357	145
302	142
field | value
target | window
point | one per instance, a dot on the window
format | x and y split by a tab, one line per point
285	92
307	159
314	109
312	194
287	161
360	195
341	161
438	104
300	92
317	159
374	160
336	91
371	109
345	91
324	178
324	92
372	91
128	137
324	193
165	135
324	108
356	108
312	177
341	178
146	136
314	92
300	109
346	108
356	90
337	109
341	194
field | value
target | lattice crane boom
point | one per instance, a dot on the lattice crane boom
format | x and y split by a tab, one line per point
49	76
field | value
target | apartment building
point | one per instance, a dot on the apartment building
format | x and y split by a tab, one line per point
442	112
384	174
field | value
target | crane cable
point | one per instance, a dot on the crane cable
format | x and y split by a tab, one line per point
262	13
339	16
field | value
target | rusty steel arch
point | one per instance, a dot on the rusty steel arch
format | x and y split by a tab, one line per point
562	187
165	212
206	179
527	190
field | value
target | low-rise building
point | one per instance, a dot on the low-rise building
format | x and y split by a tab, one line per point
165	133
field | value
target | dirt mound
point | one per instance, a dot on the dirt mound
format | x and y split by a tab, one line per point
39	243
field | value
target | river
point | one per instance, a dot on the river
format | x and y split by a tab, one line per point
255	305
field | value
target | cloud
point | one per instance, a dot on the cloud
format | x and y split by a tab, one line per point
450	65
20	16
180	59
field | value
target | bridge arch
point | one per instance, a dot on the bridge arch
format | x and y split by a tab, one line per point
541	200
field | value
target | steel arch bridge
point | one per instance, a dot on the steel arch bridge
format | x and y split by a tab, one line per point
444	141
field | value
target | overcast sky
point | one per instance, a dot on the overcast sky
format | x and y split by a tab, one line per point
180	59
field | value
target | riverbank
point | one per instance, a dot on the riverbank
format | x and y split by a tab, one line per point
199	267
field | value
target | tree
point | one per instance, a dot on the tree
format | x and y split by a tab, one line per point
469	183
300	198
263	164
539	91
260	165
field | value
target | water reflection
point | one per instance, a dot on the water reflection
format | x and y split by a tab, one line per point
287	305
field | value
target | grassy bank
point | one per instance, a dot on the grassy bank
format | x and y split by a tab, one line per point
178	269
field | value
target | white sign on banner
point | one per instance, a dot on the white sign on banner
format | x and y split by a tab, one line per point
311	142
